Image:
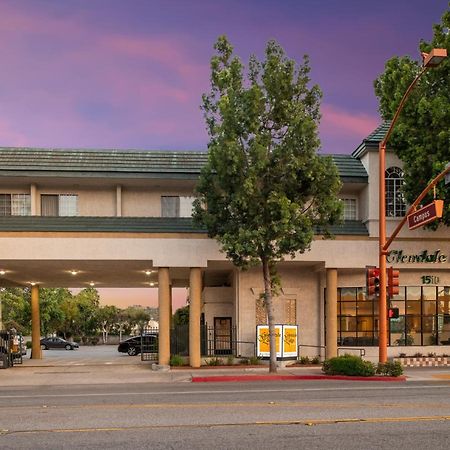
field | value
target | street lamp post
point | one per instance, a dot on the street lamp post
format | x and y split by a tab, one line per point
432	59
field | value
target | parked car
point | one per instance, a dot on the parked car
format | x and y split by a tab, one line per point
133	345
57	342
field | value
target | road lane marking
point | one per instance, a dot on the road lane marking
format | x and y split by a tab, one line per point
306	422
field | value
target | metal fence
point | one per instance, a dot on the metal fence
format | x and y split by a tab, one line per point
213	342
149	344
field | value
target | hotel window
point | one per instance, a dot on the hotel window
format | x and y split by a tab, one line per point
395	200
15	204
176	206
349	208
59	205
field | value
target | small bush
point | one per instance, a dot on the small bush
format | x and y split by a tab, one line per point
402	355
390	369
315	360
230	360
213	362
28	344
176	361
431	354
304	360
348	365
418	355
254	361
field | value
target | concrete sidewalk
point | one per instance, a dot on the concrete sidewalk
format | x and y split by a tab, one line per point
44	373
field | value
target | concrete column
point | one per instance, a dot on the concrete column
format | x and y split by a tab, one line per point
33	200
164	315
331	314
36	352
119	201
195	293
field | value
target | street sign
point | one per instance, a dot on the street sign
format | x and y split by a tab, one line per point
426	214
447	177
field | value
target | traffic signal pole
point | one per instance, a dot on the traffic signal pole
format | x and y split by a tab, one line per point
432	59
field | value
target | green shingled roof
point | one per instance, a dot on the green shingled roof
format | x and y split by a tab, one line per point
127	163
130	225
373	139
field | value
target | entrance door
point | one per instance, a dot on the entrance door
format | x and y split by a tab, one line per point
222	336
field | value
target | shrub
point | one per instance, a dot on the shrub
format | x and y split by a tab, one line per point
418	355
230	360
176	360
348	365
315	360
431	354
390	369
94	340
304	360
402	355
28	344
213	362
254	361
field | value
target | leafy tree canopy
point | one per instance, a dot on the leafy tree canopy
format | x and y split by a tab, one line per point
264	189
421	137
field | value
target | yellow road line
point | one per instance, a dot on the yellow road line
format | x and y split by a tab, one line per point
271	404
310	422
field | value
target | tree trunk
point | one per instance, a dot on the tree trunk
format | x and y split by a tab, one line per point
270	316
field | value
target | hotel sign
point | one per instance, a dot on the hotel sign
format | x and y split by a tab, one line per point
426	214
399	257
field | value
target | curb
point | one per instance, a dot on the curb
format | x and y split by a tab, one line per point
240	378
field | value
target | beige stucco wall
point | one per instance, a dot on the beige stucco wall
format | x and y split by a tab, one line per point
97	203
144	202
218	302
303	285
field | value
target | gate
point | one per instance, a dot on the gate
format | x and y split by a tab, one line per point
149	344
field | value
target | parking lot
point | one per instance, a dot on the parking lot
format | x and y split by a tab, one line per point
85	355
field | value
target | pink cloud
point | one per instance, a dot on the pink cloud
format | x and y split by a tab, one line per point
343	123
7	134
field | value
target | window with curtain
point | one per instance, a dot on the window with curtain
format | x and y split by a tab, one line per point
395	200
59	204
170	206
349	208
15	204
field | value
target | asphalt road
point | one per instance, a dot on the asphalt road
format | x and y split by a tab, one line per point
283	415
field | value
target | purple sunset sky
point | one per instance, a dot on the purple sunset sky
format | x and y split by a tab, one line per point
130	74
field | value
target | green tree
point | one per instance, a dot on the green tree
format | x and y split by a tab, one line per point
108	318
137	318
51	308
264	189
16	309
181	316
421	137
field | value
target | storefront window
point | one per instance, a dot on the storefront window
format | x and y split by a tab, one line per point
424	317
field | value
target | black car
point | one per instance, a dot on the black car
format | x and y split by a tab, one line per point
133	345
57	342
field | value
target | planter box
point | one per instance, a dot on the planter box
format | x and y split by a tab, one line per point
424	361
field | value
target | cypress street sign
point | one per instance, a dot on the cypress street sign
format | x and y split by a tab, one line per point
426	214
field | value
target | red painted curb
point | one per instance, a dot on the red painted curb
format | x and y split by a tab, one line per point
234	378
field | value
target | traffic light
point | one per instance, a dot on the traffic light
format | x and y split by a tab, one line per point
393	313
373	280
393	282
